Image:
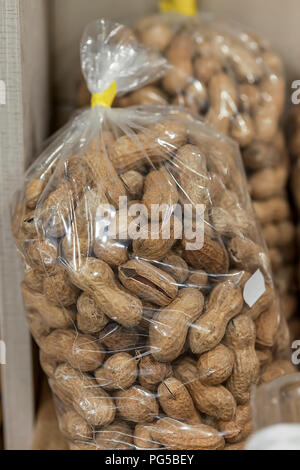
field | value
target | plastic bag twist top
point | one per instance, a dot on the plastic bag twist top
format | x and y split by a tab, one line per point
110	52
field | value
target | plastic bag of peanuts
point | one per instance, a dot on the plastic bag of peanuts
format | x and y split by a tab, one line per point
235	81
147	285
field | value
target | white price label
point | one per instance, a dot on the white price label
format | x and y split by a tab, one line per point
254	288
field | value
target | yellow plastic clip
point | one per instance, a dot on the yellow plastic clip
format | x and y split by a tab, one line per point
107	98
185	7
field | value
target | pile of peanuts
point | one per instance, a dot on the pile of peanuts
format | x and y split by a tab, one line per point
235	81
147	344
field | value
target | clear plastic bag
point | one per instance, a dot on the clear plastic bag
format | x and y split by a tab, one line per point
147	285
233	79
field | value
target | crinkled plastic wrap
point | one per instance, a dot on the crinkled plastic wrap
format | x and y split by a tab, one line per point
147	285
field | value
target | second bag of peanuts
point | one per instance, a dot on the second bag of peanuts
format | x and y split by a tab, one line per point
233	79
147	285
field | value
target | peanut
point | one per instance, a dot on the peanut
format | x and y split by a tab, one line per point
178	77
242	129
119	339
225	302
276	259
137	404
57	211
75	249
48	365
240	337
212	257
205	68
74	427
33	192
59	290
83	225
268	183
259	155
282	340
192	175
103	170
233	221
176	401
249	97
245	254
118	372
216	366
53	316
216	402
134	183
264	356
90	318
97	278
277	369
146	95
196	97
160	189
267	326
148	282
152	146
76	172
279	235
143	439
182	45
80	351
266	121
223	95
42	255
239	429
111	252
94	405
272	211
265	302
115	436
243	61
37	326
175	435
159	245
153	34
170	326
152	372
24	225
176	267
198	279
34	280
